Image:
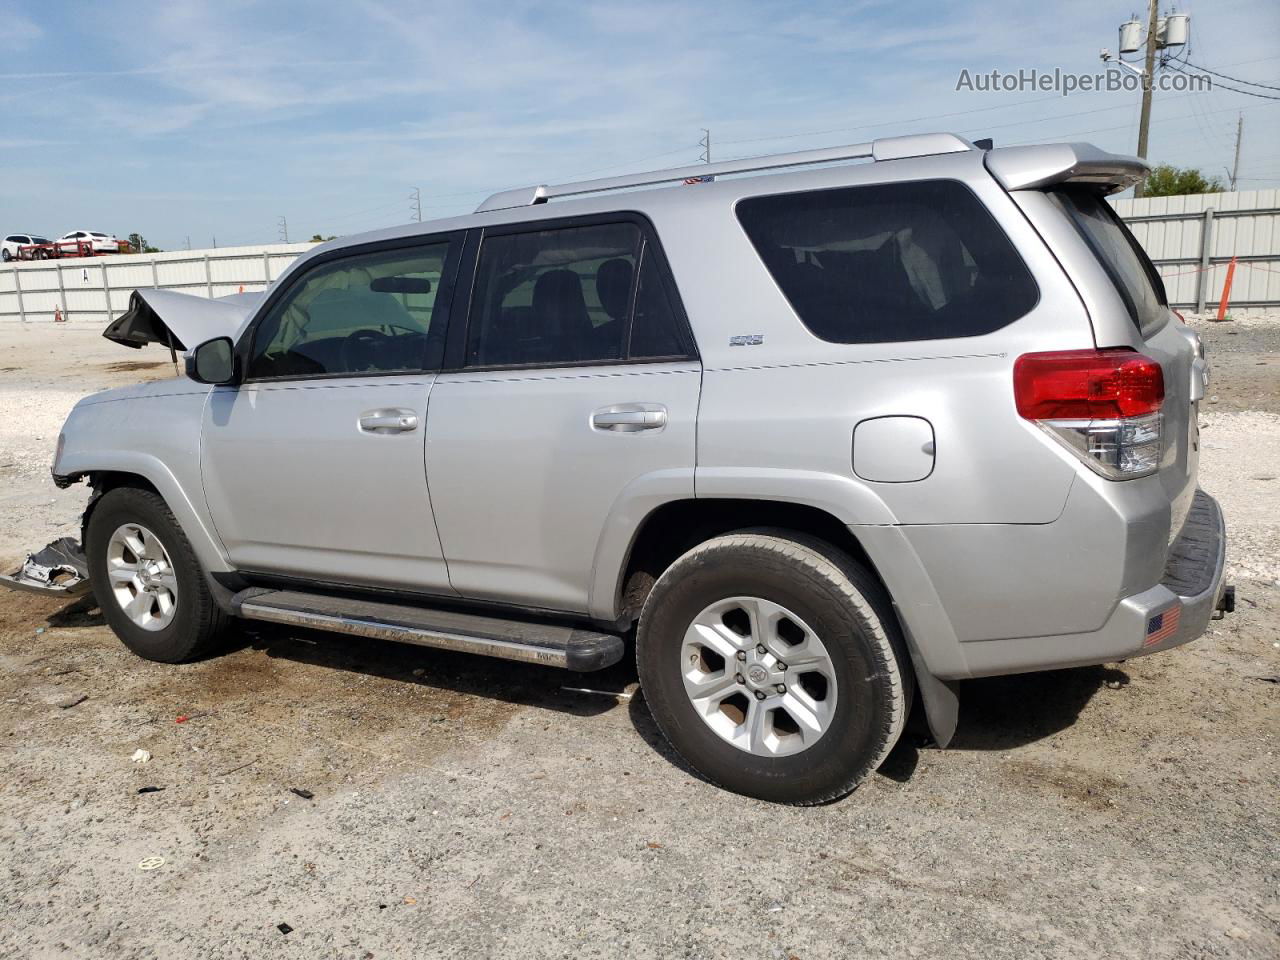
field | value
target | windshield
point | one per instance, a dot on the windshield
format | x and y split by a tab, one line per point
1120	255
39	240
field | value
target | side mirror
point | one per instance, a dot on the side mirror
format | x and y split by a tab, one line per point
214	361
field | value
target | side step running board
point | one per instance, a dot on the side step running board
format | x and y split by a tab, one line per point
555	645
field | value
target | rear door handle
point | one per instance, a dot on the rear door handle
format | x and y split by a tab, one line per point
389	421
630	417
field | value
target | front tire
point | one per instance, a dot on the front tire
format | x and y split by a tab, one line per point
147	579
774	665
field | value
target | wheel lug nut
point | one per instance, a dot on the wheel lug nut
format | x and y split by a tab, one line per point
740	678
760	649
759	694
742	654
780	688
780	665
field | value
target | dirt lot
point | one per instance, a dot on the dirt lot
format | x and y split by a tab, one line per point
468	807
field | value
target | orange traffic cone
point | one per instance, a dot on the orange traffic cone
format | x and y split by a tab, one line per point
1226	290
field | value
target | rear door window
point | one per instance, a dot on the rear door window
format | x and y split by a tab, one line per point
890	262
1118	251
577	294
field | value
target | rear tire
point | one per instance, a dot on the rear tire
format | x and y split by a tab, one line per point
147	580
804	732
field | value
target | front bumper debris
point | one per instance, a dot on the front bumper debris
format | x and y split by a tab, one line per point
59	569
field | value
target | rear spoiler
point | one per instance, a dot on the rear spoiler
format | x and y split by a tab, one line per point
180	320
1051	164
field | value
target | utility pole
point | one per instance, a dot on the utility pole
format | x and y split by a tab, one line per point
705	144
284	229
416	210
1148	80
1171	30
1235	164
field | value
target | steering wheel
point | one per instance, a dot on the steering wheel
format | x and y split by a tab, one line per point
360	349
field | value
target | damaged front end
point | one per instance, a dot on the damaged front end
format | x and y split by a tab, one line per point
60	569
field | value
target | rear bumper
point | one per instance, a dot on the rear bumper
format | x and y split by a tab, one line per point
1173	612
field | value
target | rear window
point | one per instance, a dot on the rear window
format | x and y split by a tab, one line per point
890	262
1119	253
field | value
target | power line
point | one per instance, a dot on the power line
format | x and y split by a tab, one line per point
1250	83
894	122
1125	126
1247	93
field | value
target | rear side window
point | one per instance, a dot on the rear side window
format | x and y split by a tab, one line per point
1118	251
575	294
890	262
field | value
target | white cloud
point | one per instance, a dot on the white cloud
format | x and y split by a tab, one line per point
17	31
249	108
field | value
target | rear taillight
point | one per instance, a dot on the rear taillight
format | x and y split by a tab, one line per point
1103	405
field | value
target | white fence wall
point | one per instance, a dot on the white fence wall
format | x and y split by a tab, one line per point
98	288
1192	239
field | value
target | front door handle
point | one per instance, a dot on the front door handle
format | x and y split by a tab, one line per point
630	417
389	421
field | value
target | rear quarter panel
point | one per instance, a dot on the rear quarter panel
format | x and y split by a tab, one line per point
776	415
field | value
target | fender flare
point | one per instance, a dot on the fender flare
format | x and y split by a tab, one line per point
204	541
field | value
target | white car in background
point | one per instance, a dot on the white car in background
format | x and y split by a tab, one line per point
11	243
70	244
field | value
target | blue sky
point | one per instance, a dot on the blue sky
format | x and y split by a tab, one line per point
213	119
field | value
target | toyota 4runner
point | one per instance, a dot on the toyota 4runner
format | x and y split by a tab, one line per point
818	434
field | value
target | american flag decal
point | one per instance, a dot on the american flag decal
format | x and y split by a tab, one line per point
1163	626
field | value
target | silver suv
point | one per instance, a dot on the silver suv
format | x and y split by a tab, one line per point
814	435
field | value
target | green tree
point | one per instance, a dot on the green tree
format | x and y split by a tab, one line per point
316	238
1166	180
138	244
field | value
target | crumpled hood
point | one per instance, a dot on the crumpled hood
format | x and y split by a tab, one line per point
180	319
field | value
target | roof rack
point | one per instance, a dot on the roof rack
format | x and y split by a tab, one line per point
888	148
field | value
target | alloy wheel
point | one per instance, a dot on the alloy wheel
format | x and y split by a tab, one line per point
142	578
758	676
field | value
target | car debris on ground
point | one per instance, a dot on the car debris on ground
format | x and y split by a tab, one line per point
60	567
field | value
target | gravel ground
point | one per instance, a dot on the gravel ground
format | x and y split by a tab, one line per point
464	806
